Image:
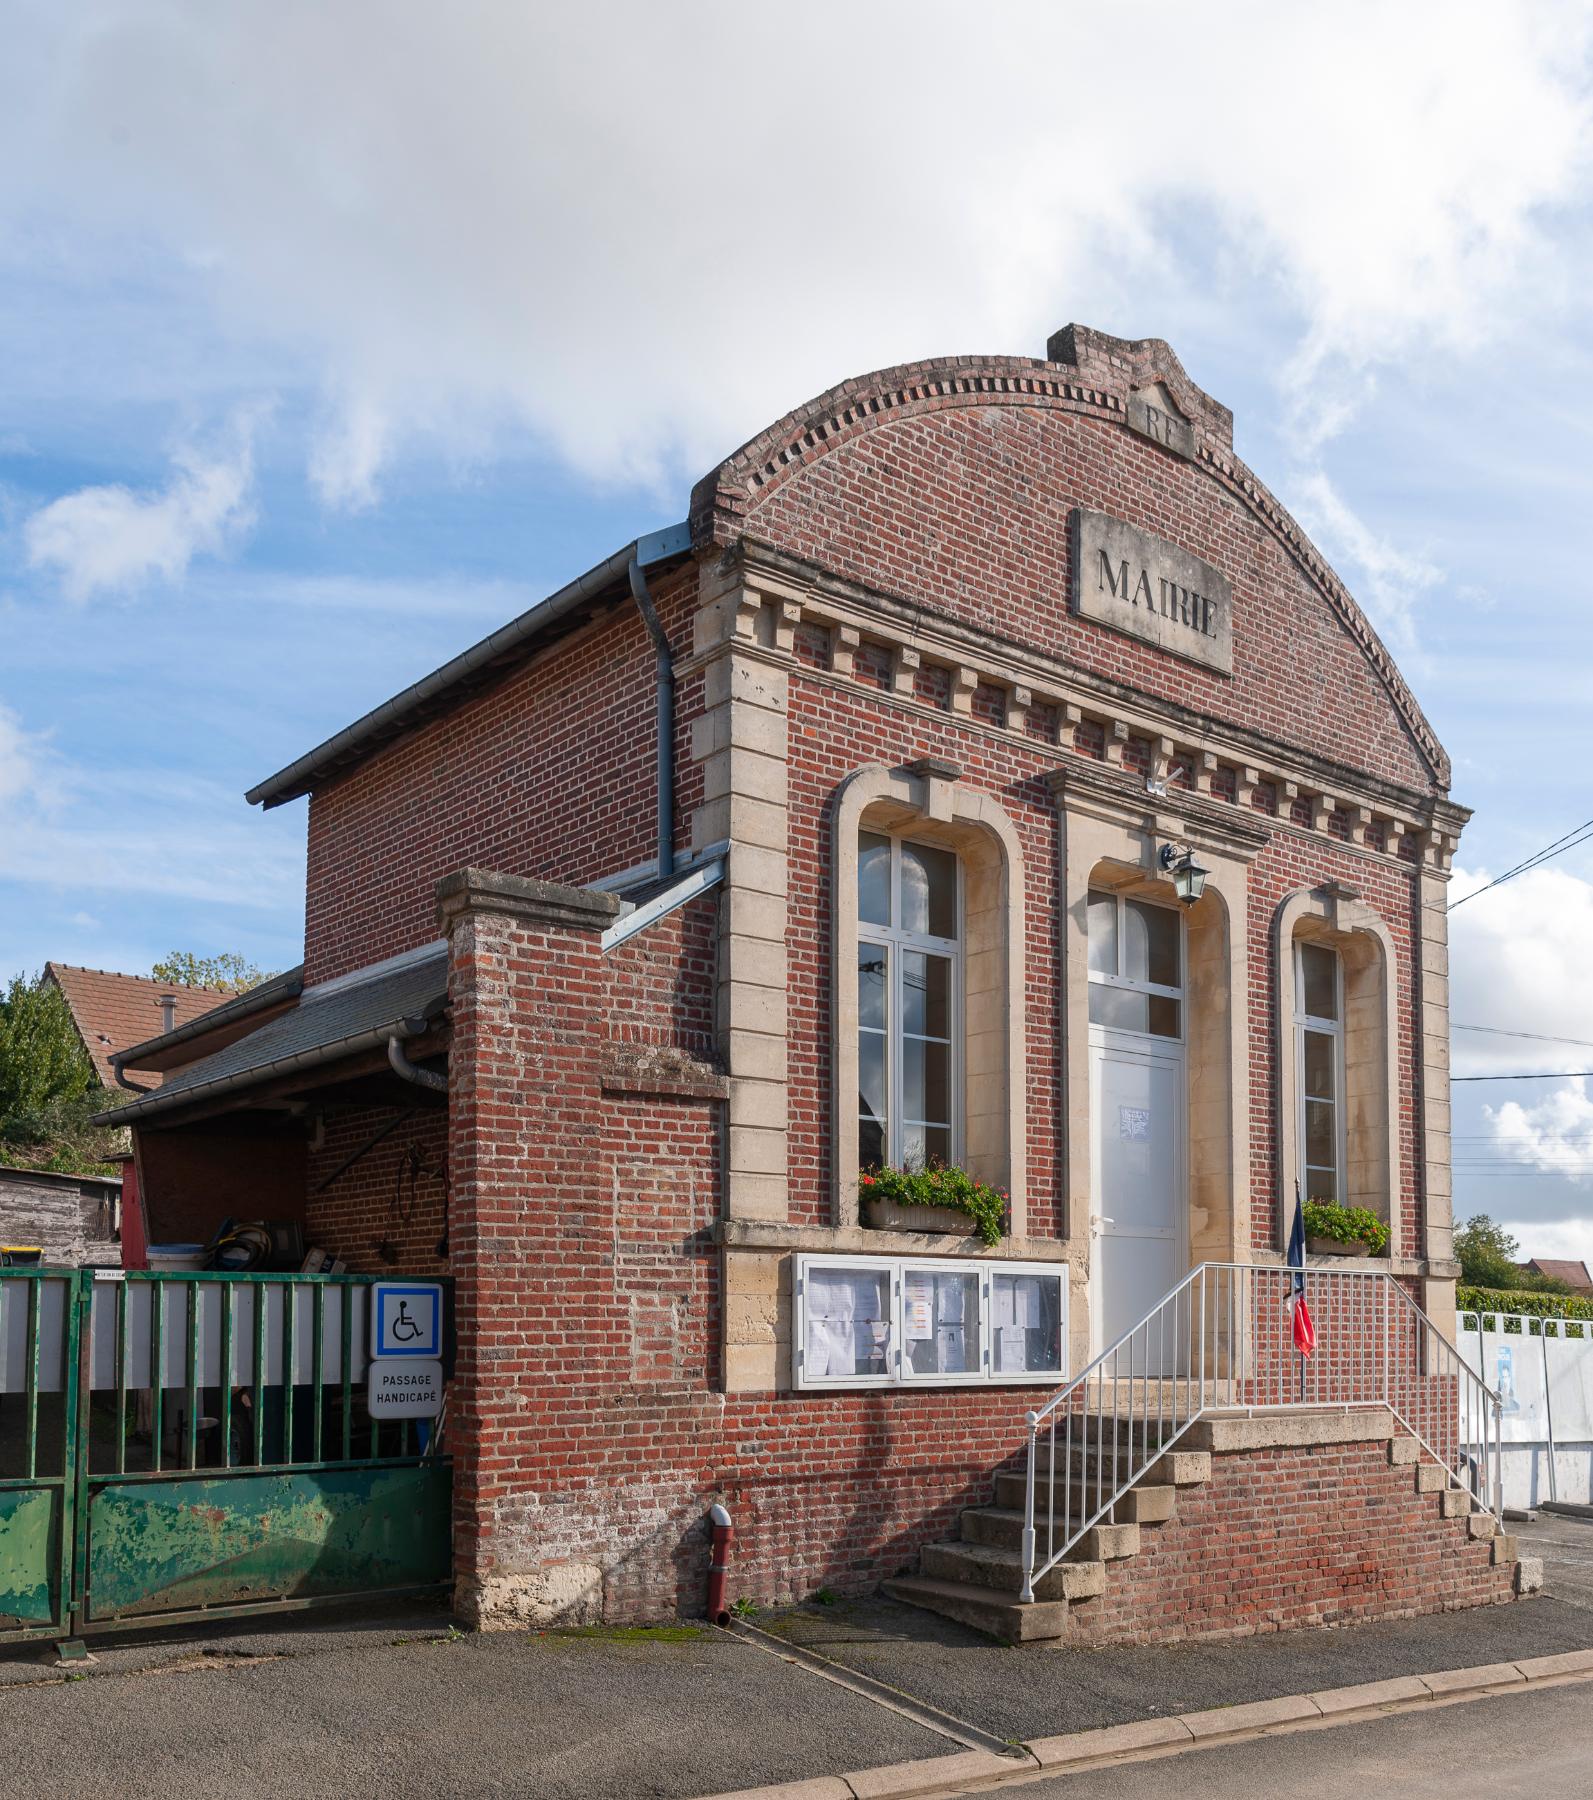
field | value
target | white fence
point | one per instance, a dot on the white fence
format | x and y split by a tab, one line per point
1543	1372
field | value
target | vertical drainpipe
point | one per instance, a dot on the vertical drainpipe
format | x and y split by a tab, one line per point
656	548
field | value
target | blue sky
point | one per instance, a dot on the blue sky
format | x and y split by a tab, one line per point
331	338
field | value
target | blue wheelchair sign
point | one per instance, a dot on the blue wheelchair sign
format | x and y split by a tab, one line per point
406	1319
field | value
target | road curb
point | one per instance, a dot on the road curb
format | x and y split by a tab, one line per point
977	1771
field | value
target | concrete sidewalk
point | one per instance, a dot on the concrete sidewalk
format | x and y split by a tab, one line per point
402	1704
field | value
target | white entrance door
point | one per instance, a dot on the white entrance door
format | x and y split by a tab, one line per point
1138	1186
1137	1110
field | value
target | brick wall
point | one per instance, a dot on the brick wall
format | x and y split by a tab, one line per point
393	1196
548	774
1328	1534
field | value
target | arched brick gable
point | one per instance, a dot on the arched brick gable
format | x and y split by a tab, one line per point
949	483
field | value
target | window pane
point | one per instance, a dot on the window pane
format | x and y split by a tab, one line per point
873	879
848	1322
871	1075
1163	1016
1026	1324
929	891
1103	934
940	1323
1120	1009
1319	987
926	1082
925	1146
1320	1066
873	971
1321	1184
1150	944
926	994
871	1144
1321	1135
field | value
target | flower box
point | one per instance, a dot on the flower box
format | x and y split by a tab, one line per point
1332	1247
887	1215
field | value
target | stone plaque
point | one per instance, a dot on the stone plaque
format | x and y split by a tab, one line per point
1127	579
1152	414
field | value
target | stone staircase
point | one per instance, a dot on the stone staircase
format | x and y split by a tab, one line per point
977	1579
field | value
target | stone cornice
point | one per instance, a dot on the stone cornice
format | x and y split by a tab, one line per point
1116	794
1382	811
518	896
1098	387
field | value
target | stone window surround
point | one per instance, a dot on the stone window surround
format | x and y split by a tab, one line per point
1338	917
929	800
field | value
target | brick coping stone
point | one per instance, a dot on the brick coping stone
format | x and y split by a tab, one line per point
1142	1739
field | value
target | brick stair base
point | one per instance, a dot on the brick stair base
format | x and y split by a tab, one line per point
1251	1524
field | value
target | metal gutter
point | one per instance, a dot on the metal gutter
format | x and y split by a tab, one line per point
396	715
657	548
161	1100
408	1071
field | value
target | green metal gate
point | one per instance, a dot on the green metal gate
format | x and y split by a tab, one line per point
175	1447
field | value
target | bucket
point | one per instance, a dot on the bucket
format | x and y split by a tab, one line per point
176	1259
20	1256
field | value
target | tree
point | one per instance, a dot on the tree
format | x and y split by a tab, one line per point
42	1059
226	972
1487	1255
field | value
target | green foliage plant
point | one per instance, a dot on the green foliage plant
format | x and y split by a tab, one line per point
1346	1225
942	1185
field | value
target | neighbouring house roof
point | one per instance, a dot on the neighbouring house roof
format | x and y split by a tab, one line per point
114	1011
475	668
169	1048
400	997
1574	1274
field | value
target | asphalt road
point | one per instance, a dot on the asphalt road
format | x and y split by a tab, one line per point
1538	1745
1566	1545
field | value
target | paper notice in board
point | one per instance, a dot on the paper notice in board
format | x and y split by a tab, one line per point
920	1309
1011	1349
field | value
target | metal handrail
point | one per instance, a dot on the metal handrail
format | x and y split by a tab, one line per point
1220	1340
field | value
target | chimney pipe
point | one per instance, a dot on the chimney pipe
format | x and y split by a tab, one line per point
168	1012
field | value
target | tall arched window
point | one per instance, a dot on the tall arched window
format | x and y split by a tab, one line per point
909	1003
1319	1056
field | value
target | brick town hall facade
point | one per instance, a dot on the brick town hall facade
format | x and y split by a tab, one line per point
958	668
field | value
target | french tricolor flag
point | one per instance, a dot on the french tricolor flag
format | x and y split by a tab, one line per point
1304	1330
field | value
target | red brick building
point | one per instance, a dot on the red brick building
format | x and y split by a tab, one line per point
844	826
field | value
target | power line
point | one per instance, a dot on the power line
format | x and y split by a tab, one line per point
1552	1075
1578	834
1537	1037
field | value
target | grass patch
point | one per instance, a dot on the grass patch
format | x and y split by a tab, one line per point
626	1634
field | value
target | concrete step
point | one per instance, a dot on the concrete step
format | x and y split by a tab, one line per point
1143	1505
995	1566
1506	1548
1106	1543
1482	1525
998	1615
1454	1503
1430	1478
1179	1468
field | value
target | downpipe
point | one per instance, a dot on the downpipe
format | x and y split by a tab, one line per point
665	681
724	1534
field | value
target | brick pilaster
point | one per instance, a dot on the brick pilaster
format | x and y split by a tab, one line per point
528	1218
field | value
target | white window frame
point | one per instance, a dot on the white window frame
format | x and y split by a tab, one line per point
896	942
1330	1028
1098	978
896	1373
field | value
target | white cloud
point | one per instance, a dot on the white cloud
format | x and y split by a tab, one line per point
1552	1135
109	539
1519	961
642	232
1393	581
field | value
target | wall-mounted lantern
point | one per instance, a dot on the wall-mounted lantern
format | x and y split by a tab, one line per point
1189	878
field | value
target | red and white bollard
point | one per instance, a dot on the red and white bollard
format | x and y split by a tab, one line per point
724	1536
